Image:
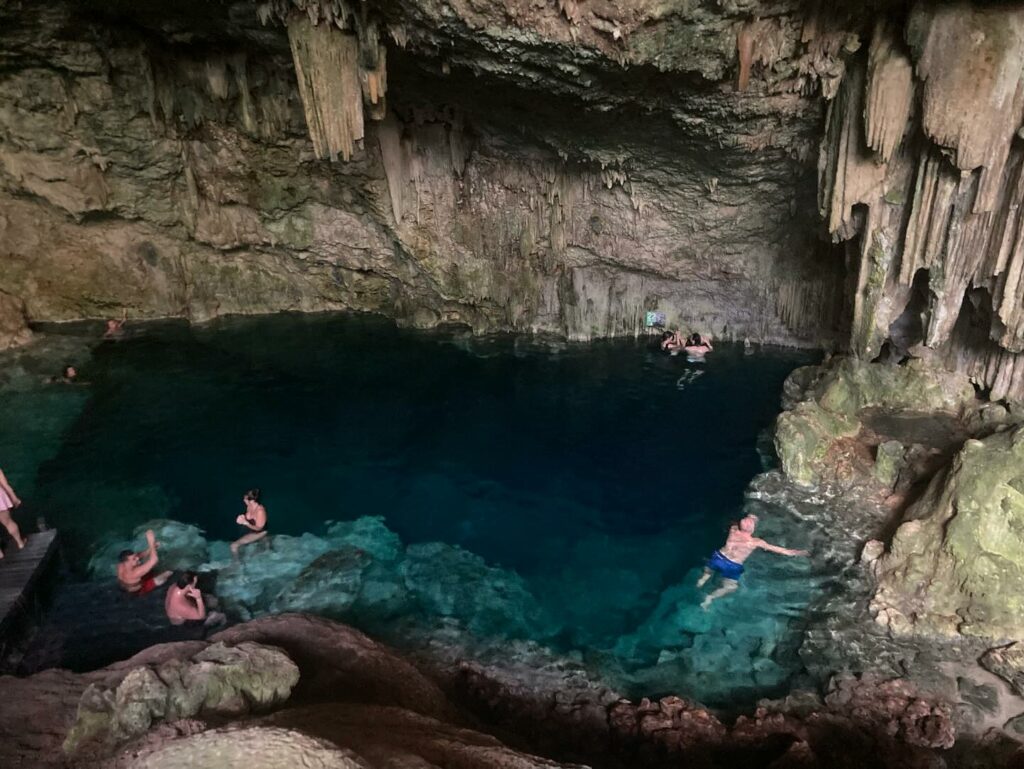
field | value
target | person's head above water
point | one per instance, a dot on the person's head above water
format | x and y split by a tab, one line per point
187	579
748	523
69	372
125	555
667	335
252	495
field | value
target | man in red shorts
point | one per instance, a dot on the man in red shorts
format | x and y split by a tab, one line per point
135	571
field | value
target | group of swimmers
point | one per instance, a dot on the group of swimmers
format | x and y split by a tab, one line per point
696	346
184	602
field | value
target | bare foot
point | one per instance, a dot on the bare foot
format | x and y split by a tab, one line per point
706	603
21	544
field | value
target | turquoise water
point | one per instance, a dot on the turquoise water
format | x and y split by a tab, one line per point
564	493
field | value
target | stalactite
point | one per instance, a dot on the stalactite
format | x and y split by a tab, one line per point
745	51
848	174
327	68
890	93
971	61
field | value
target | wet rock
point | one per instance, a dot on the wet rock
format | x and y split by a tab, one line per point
181	546
1007	662
218	680
1015	725
981	696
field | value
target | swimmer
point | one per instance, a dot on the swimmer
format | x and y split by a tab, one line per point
253	521
728	561
672	340
67	375
8	501
115	327
697	345
184	603
135	570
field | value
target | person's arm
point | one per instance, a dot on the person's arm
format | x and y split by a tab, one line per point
780	550
8	490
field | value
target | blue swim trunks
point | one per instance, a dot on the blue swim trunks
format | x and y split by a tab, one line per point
728	569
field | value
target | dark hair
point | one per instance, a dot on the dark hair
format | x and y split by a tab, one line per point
253	494
666	334
124	555
185	579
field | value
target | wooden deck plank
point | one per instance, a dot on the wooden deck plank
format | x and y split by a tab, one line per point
21	569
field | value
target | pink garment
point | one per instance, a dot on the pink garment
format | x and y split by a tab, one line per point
6	503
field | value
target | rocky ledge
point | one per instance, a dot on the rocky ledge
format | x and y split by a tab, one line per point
295	690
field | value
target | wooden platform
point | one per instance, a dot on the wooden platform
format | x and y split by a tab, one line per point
20	571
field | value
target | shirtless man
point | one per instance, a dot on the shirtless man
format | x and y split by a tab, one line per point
253	521
184	602
134	572
728	561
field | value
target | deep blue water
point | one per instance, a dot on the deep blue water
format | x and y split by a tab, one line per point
591	470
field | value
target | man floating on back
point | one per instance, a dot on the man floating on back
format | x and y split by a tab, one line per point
727	561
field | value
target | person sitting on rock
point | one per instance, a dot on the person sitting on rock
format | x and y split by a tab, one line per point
697	345
253	522
115	326
727	562
672	340
135	570
184	602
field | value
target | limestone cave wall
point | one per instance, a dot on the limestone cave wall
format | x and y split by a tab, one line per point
920	179
554	167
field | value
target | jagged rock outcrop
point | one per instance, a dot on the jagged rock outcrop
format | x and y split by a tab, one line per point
928	200
824	434
358	705
957	564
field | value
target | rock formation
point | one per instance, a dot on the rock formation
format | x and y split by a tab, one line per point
359	706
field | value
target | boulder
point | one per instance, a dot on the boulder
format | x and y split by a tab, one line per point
804	437
956	565
218	680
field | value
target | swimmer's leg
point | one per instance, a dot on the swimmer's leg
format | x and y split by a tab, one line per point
704	577
728	586
246	539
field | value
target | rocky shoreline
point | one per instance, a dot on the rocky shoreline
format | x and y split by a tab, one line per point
334	697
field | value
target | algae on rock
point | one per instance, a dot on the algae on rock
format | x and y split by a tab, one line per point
957	564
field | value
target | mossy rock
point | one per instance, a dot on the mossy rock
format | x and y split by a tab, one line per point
803	438
957	564
853	385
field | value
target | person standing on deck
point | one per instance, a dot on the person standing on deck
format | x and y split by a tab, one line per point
728	561
253	522
8	501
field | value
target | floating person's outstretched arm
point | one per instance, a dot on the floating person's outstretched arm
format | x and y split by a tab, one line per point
780	550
